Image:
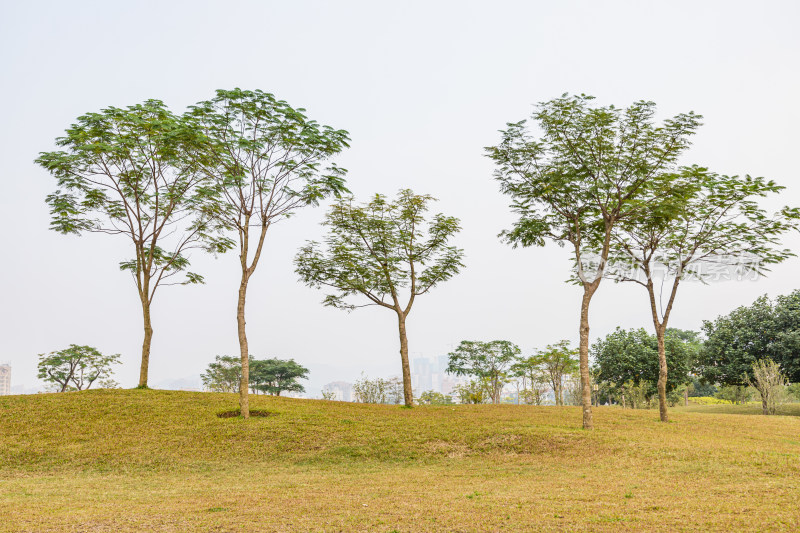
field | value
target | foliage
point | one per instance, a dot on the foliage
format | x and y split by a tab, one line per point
76	367
124	172
709	400
434	398
794	391
223	375
699	388
764	330
378	390
474	391
554	363
770	382
632	356
328	395
489	361
591	169
379	251
274	376
738	394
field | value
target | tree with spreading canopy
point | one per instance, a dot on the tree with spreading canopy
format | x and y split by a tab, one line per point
736	342
274	376
124	172
387	252
223	375
490	361
589	170
556	362
700	226
76	367
630	357
264	161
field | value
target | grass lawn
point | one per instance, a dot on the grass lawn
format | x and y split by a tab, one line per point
133	460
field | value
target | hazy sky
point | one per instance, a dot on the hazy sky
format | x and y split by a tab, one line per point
422	87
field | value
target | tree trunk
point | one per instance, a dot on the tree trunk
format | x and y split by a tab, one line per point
764	404
662	374
408	394
586	382
686	397
148	339
244	351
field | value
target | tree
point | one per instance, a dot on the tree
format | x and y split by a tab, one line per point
263	159
628	358
387	252
698	223
765	329
434	398
223	375
123	172
76	367
274	376
555	362
489	361
770	382
474	391
534	381
590	170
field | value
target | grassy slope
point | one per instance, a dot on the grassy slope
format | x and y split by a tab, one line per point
156	460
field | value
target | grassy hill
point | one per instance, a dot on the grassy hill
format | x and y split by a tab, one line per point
132	460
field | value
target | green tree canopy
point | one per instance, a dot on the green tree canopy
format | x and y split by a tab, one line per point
223	375
556	362
632	356
124	172
263	160
490	361
766	329
703	226
274	376
76	367
588	170
385	252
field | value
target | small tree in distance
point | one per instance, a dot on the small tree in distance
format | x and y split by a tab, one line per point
223	375
557	361
387	252
76	367
770	382
486	361
274	376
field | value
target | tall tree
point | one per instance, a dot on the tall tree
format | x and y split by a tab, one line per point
386	251
76	367
489	361
589	170
265	161
123	172
699	225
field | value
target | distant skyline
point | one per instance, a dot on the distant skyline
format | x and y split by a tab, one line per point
422	87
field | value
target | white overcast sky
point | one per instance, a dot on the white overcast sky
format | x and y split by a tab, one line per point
422	87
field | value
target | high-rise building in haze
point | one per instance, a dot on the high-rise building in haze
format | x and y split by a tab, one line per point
5	380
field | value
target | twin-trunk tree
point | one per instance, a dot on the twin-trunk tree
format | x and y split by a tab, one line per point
589	170
701	226
126	172
385	251
262	161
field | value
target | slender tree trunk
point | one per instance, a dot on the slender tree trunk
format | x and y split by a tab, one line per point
244	385
148	339
764	404
662	374
408	394
586	382
686	397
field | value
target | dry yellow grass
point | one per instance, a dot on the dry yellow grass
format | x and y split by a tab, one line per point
163	461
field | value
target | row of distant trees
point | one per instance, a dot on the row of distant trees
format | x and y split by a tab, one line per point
603	181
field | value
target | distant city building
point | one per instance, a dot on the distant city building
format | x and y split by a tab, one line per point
5	380
431	374
343	391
